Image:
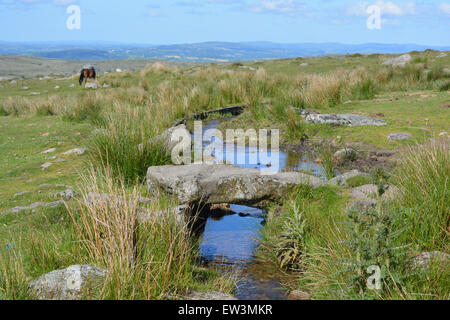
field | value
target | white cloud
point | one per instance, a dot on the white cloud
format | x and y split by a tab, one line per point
279	6
387	8
445	7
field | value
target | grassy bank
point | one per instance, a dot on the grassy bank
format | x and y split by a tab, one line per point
331	247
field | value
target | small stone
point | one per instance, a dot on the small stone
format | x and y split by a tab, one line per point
49	151
424	260
21	194
346	154
299	295
399	137
78	151
46	165
341	180
57	87
67	195
92	86
443	134
25	88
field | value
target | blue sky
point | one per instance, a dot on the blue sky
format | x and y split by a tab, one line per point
183	21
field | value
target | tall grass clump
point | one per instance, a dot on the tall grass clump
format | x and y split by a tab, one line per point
423	180
147	258
126	144
364	89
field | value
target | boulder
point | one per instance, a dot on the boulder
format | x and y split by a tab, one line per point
209	296
350	120
399	61
74	283
399	137
220	183
364	191
441	55
341	180
363	205
46	165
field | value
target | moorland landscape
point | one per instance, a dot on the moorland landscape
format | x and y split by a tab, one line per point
89	193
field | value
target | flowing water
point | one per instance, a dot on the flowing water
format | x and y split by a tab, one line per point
229	242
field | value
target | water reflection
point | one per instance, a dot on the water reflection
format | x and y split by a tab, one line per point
230	238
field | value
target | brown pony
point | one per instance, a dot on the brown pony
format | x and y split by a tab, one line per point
87	73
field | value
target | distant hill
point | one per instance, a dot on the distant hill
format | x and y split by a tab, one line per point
200	52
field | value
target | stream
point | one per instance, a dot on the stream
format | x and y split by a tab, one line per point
228	243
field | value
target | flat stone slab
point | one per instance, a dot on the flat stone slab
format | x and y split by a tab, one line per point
399	137
220	183
34	206
350	120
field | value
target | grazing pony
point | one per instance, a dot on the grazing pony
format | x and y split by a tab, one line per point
87	73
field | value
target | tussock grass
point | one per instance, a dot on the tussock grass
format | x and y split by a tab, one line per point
150	260
423	178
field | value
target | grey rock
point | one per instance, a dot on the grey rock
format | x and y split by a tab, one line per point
441	55
72	85
399	61
74	283
364	191
166	137
49	151
78	151
67	194
46	165
25	88
305	112
303	64
363	205
34	206
345	155
105	85
351	120
21	194
341	180
446	70
399	137
34	93
442	134
210	296
92	85
13	82
391	193
424	260
219	183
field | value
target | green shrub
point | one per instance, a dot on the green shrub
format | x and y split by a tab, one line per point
3	112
